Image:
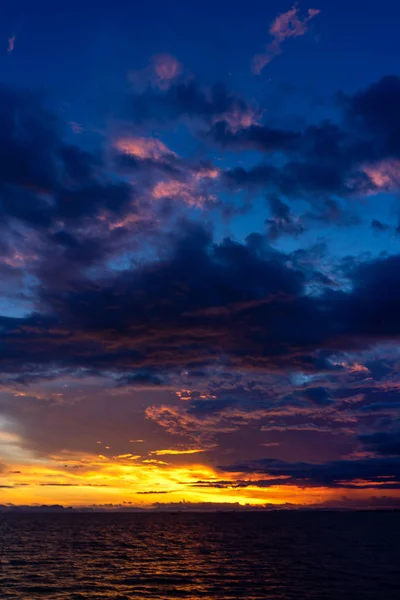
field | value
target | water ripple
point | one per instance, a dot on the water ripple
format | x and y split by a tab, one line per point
271	556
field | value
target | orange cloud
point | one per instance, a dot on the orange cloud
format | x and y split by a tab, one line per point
102	480
287	25
384	175
172	452
207	173
193	190
190	187
128	456
184	191
239	118
353	368
18	259
143	148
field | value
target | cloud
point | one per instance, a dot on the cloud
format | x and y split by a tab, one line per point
306	427
287	25
253	137
142	148
384	175
177	452
43	179
332	212
374	109
318	396
163	71
68	248
201	345
188	100
166	316
371	115
320	160
166	68
281	221
382	443
143	379
356	157
189	192
352	157
152	492
378	226
366	473
164	176
11	43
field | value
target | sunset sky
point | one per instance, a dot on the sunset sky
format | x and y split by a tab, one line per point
200	253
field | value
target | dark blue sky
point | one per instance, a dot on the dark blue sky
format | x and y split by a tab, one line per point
80	49
199	249
79	54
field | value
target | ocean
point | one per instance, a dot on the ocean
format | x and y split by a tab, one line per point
133	556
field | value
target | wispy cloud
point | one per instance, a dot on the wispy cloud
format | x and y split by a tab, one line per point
166	69
163	71
11	43
287	25
177	452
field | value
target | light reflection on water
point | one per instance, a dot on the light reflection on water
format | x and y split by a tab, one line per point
210	556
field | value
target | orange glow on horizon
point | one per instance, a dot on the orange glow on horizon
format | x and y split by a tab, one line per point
126	479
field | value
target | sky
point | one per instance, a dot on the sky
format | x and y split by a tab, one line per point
200	254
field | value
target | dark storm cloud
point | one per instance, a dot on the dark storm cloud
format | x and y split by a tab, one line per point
356	473
42	178
90	199
25	205
254	137
384	443
318	396
281	221
388	406
184	99
324	142
217	406
304	179
380	368
378	226
192	307
375	297
143	378
322	159
329	158
83	250
200	301
168	164
161	313
332	212
29	141
308	180
374	113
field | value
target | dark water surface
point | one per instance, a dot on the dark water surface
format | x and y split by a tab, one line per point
249	555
